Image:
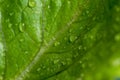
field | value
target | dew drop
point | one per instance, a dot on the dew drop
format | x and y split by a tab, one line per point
43	67
32	3
87	12
117	19
21	25
83	65
80	47
8	5
38	69
117	9
11	14
117	37
53	38
80	62
9	25
70	30
48	6
82	75
26	52
55	61
73	38
63	63
7	20
21	40
57	43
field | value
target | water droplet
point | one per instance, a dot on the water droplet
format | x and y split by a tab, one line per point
83	65
63	63
68	2
80	47
73	38
48	6
8	5
53	38
85	48
32	3
56	61
117	19
57	43
80	62
21	40
11	13
94	18
21	25
82	75
117	9
26	52
9	25
70	30
38	69
43	67
7	20
87	12
117	37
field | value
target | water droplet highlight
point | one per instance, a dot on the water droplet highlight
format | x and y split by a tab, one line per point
9	25
57	43
21	25
32	3
73	38
117	37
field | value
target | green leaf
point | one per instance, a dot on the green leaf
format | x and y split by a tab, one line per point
59	39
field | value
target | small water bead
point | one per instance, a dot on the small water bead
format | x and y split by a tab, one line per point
117	9
63	63
8	5
85	48
32	3
26	52
82	75
117	19
21	27
117	37
53	38
21	40
80	62
11	13
48	6
56	43
83	65
70	30
9	25
56	61
38	69
7	20
80	47
43	67
73	38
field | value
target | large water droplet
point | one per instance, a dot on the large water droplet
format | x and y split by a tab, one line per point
21	26
32	3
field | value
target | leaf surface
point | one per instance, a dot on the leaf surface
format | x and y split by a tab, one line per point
59	39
